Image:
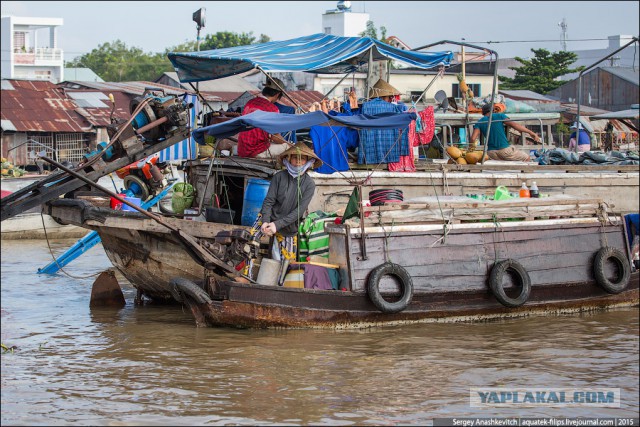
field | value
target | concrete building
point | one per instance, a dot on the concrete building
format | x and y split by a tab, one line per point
343	22
626	58
30	49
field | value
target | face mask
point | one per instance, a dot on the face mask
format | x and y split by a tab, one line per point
296	171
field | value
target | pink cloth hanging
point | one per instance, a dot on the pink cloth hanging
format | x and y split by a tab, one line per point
407	163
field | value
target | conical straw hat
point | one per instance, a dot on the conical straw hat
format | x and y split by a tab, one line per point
382	88
303	150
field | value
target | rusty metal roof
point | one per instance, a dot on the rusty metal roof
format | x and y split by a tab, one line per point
40	106
101	116
304	98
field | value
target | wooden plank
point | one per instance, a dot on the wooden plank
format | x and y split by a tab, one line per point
472	203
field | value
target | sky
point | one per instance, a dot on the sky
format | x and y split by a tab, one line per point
511	28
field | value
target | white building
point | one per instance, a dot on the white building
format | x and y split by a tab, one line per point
626	58
343	22
30	49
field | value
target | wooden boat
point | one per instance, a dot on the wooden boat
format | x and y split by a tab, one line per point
488	259
616	185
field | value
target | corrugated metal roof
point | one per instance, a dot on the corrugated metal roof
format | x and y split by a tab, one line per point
624	114
625	73
133	88
223	96
82	74
304	98
101	116
7	125
226	84
89	99
6	85
39	106
525	94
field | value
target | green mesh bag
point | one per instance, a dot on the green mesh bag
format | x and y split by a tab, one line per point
182	197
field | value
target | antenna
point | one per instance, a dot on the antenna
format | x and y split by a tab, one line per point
564	27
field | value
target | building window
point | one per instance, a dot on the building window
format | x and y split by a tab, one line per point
475	88
19	42
327	30
415	95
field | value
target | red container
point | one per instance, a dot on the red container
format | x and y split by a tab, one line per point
116	204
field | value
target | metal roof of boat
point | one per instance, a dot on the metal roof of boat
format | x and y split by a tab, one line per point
317	53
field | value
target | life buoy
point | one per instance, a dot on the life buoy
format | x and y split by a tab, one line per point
179	287
373	287
497	275
623	274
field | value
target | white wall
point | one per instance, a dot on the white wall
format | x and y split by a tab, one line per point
6	42
345	24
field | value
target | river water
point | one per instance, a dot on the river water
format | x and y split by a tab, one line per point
151	365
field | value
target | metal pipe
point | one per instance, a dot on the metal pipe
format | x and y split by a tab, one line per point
495	80
152	125
337	84
197	251
633	40
284	92
366	87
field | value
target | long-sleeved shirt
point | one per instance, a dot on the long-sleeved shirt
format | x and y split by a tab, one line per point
287	201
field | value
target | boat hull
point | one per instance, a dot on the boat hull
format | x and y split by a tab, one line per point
256	306
450	272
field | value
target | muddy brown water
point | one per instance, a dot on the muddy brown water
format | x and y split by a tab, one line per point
151	365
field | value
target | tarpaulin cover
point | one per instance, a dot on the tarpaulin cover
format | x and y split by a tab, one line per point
278	123
317	53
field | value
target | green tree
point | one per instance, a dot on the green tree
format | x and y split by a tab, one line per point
223	39
116	62
373	33
539	73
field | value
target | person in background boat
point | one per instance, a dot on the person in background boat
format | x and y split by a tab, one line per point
382	145
286	202
498	144
584	141
256	142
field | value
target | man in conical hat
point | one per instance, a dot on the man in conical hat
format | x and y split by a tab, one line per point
382	145
287	200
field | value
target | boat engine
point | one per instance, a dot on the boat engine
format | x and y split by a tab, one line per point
144	178
233	247
158	116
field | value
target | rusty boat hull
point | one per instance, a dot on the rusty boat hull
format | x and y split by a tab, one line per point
450	270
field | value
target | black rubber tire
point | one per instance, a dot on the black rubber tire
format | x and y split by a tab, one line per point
622	263
179	287
373	287
495	282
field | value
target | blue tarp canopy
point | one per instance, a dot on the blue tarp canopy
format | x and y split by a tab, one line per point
317	53
279	123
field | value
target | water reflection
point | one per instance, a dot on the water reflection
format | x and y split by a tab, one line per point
150	365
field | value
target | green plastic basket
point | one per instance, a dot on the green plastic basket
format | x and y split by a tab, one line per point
182	197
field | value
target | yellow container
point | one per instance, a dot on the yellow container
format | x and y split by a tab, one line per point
294	279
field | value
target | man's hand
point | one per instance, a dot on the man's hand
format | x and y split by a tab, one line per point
268	228
277	139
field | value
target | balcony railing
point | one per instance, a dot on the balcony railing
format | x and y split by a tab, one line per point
38	54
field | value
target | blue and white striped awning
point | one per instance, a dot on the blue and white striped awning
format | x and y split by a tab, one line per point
317	53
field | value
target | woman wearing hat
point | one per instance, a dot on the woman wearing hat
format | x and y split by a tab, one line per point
286	202
256	142
584	142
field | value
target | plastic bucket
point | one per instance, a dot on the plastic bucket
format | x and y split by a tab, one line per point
134	200
502	193
268	274
222	216
254	195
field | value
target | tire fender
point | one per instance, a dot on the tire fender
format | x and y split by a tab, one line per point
496	276
179	287
373	287
602	256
